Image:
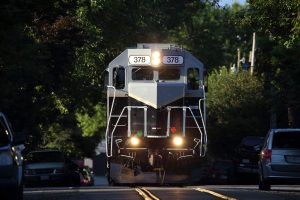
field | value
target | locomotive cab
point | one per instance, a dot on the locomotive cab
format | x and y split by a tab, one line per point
155	115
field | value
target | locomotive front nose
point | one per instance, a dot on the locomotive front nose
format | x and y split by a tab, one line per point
156	94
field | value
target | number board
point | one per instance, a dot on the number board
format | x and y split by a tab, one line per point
173	60
139	60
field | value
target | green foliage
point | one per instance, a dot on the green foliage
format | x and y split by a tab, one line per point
277	25
94	124
58	137
213	34
278	19
236	109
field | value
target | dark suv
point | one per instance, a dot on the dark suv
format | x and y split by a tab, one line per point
247	154
11	165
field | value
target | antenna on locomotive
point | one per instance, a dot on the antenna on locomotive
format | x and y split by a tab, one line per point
157	46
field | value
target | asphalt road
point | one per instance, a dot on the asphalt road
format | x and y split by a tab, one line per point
211	192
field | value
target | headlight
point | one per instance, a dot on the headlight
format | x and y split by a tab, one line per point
6	158
178	141
134	141
156	59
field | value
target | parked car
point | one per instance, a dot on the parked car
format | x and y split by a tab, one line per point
280	158
247	154
50	167
222	172
11	162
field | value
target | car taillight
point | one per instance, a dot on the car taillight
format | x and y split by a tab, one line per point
267	154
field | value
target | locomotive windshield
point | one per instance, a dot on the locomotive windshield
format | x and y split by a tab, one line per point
165	74
142	74
169	74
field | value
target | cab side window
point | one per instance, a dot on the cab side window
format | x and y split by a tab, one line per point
193	79
119	77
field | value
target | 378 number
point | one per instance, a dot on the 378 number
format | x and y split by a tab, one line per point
139	59
171	59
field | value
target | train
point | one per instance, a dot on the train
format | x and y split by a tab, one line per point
156	117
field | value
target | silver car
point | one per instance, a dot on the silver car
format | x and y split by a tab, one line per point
49	167
280	158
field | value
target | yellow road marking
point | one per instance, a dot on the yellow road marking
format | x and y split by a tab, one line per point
147	195
215	194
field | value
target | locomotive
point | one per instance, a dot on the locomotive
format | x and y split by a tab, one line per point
155	116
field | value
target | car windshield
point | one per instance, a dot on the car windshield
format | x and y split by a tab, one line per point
4	140
286	140
47	156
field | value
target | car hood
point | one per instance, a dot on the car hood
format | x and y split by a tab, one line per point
45	165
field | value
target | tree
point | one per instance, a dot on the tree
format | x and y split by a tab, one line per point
213	34
278	25
236	108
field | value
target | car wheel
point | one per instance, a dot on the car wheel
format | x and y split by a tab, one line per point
263	183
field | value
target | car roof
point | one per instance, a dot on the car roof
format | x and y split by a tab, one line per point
285	130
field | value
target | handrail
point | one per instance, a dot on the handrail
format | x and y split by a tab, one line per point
203	121
110	136
112	133
203	135
109	117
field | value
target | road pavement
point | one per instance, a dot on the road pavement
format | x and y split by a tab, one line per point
102	191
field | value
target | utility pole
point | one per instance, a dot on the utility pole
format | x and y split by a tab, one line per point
238	59
253	53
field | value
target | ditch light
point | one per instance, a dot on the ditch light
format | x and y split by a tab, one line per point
134	141
177	141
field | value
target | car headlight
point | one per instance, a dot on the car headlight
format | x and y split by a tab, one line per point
177	141
134	141
6	158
